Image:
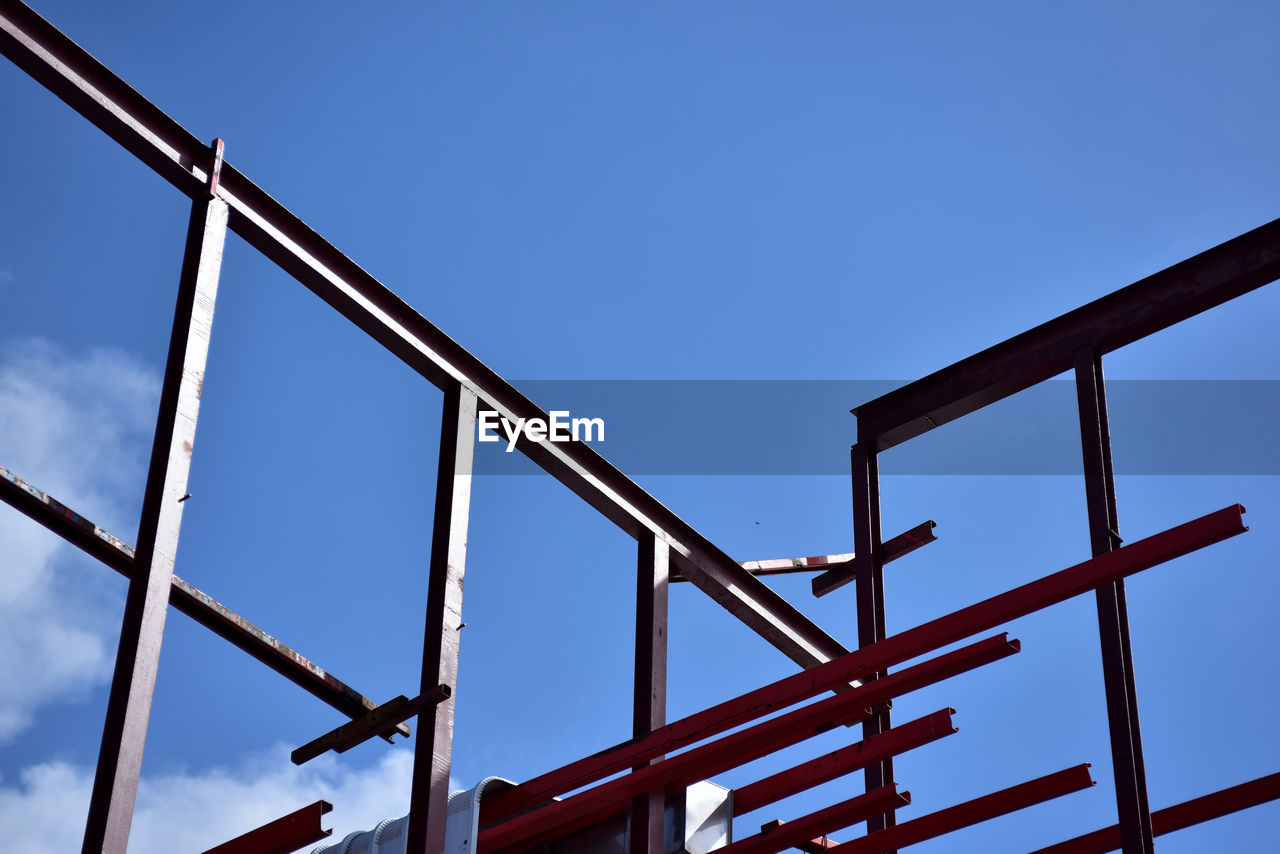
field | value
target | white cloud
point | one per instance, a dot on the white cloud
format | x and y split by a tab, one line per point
44	811
78	427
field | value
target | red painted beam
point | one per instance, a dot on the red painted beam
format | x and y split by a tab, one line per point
1179	816
846	760
282	836
1058	587
560	818
790	834
971	812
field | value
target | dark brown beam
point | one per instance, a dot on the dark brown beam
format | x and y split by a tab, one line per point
442	637
649	698
96	93
124	734
901	545
282	836
196	604
1159	301
868	576
1128	768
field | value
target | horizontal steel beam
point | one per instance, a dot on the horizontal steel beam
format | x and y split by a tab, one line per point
115	553
783	835
836	565
1050	590
562	817
1178	817
846	760
282	836
68	71
971	812
1184	290
380	721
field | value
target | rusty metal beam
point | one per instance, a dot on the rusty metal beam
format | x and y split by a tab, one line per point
971	812
380	721
124	733
1184	290
282	836
1178	817
127	117
442	637
196	604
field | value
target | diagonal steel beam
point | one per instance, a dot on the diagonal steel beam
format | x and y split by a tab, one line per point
196	604
282	836
67	70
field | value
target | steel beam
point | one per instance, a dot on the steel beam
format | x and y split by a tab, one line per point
196	604
971	812
844	761
1184	290
1178	817
562	817
1113	614
282	836
442	638
904	544
837	568
100	96
380	721
124	734
783	835
1019	602
869	599
650	691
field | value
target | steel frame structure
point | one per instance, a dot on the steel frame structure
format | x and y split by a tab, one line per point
668	550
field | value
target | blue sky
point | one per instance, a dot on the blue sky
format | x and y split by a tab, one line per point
579	191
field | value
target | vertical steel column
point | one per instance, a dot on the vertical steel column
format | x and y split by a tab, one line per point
124	734
869	594
1113	612
433	751
653	567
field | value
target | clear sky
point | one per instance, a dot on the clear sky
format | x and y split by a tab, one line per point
726	191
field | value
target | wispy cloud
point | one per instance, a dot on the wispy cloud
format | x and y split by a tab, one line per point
78	426
43	811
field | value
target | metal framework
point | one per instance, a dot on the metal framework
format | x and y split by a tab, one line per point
668	550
